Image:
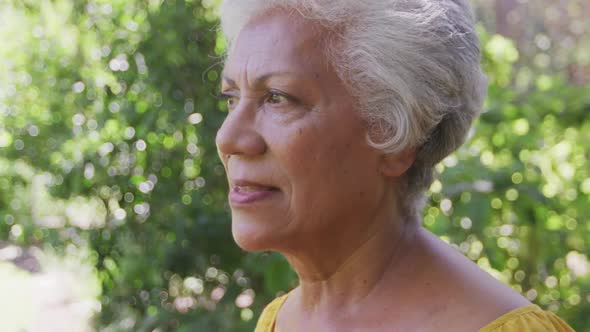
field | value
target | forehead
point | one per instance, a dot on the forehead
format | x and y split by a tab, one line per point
277	41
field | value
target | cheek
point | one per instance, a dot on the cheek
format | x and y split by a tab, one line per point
304	154
326	169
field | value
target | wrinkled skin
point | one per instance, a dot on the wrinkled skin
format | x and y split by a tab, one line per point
325	199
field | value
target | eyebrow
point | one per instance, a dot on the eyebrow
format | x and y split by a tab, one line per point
260	79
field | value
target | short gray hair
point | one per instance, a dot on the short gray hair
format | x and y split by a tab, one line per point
413	65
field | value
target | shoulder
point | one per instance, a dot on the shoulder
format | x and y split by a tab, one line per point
466	296
269	315
528	319
473	298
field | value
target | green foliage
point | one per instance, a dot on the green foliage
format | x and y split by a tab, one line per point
107	126
515	198
108	110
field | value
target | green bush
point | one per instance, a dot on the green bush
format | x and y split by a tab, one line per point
107	123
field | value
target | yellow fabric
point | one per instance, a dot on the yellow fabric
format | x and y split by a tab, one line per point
526	319
266	322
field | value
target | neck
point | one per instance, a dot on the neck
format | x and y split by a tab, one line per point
343	274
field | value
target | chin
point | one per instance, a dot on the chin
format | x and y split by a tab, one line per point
252	236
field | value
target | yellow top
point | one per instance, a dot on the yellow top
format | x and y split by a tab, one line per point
525	319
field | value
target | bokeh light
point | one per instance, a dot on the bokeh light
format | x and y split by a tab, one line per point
113	212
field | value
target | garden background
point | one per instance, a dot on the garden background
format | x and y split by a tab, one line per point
113	213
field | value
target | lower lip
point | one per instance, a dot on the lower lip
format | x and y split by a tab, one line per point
247	197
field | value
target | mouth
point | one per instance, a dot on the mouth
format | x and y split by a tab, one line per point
249	189
250	186
246	192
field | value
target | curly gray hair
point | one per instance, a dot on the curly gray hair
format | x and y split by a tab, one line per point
413	65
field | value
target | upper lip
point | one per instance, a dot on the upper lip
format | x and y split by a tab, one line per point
249	183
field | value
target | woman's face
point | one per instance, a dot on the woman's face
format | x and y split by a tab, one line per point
293	143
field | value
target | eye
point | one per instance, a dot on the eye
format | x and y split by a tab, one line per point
229	99
277	98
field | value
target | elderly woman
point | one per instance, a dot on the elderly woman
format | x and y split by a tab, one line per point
338	112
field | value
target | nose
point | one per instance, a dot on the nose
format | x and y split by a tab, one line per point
239	135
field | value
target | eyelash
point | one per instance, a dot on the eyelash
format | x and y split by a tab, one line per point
226	97
272	93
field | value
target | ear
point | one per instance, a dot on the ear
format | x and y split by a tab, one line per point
396	164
